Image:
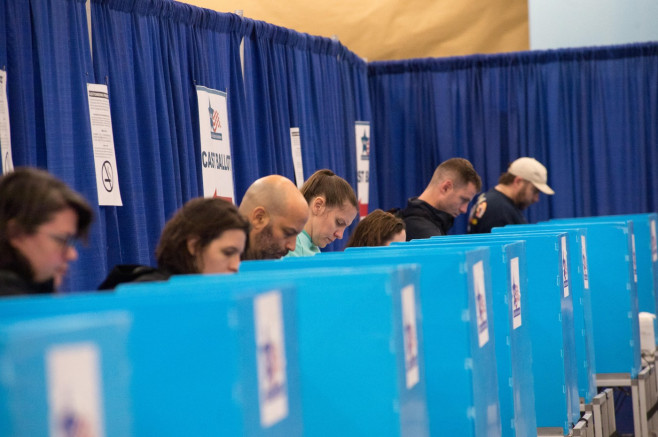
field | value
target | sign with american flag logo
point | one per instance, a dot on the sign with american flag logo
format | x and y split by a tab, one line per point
216	162
271	358
74	391
362	130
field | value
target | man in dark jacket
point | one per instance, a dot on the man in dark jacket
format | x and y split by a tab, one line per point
454	183
517	189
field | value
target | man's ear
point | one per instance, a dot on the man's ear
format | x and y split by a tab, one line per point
191	245
317	205
259	218
446	186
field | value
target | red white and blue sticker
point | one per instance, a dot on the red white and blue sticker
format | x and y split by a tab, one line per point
634	257
565	266
583	248
654	242
74	391
515	290
271	359
480	303
410	336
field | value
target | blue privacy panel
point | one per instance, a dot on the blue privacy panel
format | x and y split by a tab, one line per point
64	374
356	377
646	250
460	363
582	303
551	325
614	294
509	286
198	366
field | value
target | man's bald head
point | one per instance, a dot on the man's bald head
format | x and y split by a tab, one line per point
277	212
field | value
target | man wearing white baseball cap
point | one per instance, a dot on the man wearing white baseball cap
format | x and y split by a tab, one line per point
517	189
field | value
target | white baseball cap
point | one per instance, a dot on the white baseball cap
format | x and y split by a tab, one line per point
532	171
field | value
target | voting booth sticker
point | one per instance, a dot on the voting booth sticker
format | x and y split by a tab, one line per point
271	356
583	248
480	303
362	130
634	257
410	335
216	162
565	266
515	289
74	391
654	242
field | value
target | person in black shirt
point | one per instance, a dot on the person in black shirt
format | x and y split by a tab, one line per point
517	189
40	220
454	183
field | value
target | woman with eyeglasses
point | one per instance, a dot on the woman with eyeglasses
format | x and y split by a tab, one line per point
40	218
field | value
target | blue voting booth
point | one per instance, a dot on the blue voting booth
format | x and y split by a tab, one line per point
612	279
202	362
66	374
512	334
550	314
582	303
646	250
462	396
359	345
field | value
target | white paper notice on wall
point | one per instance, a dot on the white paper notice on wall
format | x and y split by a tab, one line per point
271	357
107	176
296	150
362	130
515	290
583	247
654	242
410	335
565	266
5	135
216	162
74	390
480	303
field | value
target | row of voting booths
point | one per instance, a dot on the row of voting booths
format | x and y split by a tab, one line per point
526	331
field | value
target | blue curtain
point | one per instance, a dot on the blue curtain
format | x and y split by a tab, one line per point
45	51
588	114
152	54
299	80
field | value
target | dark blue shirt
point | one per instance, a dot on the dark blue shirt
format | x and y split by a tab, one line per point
491	210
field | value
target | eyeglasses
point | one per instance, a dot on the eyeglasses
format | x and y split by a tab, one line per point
65	241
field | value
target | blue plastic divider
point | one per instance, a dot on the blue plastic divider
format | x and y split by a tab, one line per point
198	364
64	374
462	397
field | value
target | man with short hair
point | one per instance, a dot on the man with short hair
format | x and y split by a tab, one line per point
277	212
517	189
454	183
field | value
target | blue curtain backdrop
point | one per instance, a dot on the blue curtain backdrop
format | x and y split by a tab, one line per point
152	54
590	115
44	47
316	84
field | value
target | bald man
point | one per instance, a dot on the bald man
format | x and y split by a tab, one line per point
277	212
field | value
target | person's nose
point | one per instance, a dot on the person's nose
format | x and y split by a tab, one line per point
71	253
463	208
339	233
291	243
234	264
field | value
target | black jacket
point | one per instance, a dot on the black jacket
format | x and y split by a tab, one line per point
422	220
125	273
12	284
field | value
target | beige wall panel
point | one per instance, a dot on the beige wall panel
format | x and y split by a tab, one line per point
394	29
